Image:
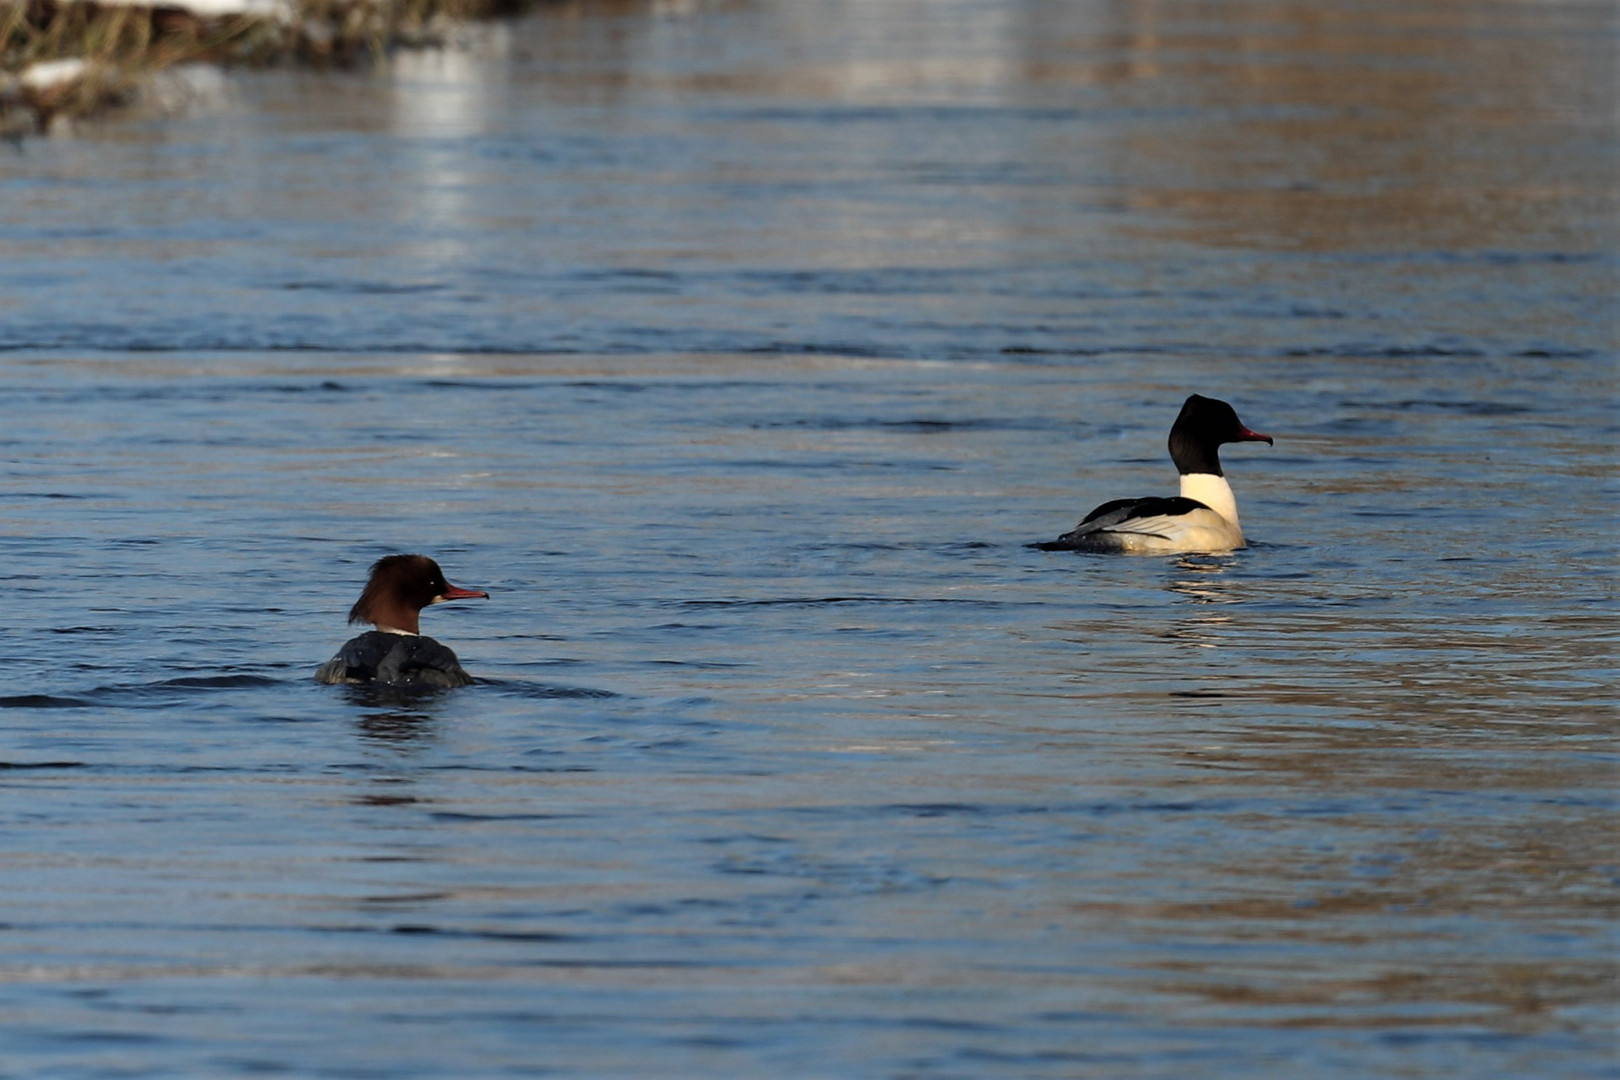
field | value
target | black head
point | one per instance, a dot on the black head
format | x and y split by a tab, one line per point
1197	435
404	583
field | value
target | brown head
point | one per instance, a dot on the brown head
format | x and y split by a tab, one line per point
399	588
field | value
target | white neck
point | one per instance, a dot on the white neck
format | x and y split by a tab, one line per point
396	630
1214	492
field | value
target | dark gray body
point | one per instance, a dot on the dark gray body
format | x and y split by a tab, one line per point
394	660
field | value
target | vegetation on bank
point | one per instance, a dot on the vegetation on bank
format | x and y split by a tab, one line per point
71	58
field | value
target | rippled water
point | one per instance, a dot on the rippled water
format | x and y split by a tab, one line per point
738	350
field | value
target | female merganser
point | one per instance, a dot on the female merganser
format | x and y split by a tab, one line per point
1202	518
396	653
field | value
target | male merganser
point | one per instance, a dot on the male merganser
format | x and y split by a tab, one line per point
396	653
1202	518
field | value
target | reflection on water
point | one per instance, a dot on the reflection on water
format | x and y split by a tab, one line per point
1201	580
389	719
742	347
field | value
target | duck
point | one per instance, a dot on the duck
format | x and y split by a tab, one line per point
396	653
1202	519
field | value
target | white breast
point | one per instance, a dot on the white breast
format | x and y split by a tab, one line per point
1215	493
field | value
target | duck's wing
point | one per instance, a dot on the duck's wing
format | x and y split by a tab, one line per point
421	661
1114	522
358	660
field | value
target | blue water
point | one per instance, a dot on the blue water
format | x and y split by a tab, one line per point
738	351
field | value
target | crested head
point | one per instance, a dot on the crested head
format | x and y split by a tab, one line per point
400	586
1203	425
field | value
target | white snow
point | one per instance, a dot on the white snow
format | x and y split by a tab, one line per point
49	73
212	9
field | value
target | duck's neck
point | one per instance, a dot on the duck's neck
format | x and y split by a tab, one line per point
1214	492
396	618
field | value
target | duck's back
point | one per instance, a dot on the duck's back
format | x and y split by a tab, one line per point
394	660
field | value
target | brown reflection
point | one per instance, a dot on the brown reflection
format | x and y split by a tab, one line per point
1325	127
1434	885
1375	917
1505	994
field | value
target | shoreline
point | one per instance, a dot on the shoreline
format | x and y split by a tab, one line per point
67	61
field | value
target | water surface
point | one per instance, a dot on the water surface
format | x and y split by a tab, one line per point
738	350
